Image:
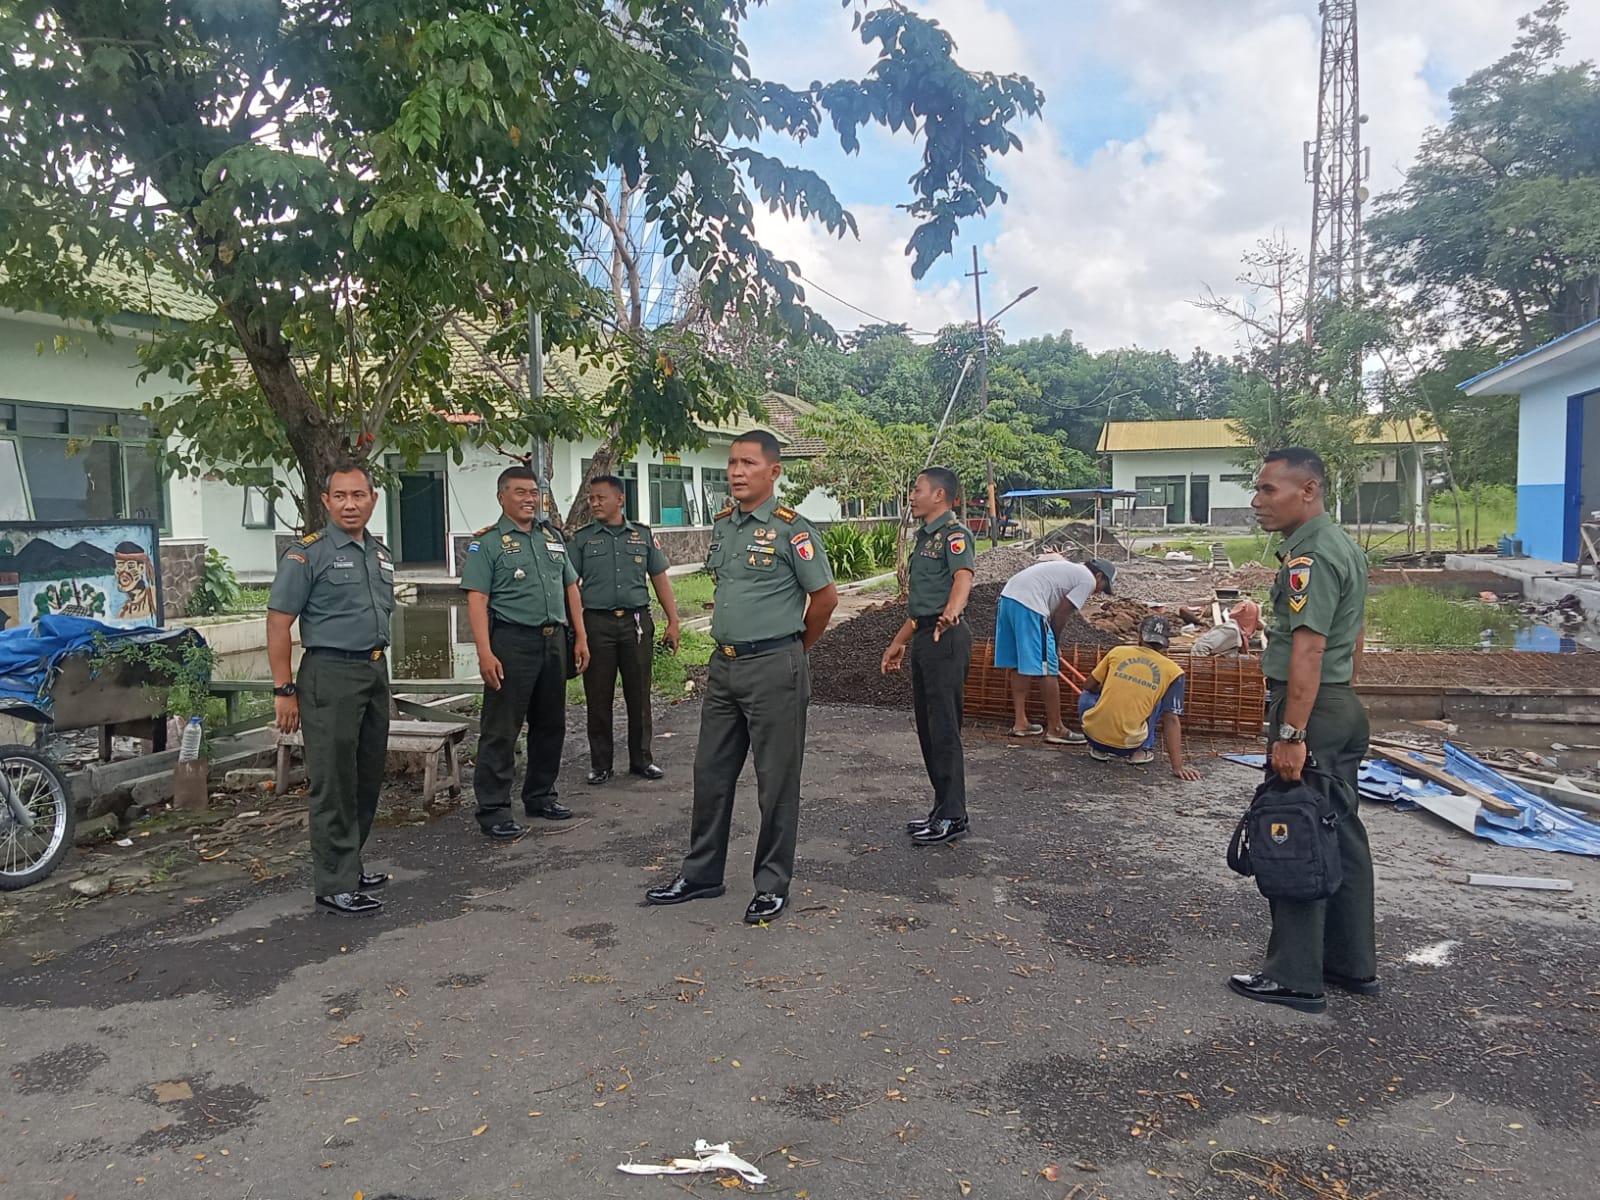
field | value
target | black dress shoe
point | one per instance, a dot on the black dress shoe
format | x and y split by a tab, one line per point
1349	983
597	777
505	831
554	811
648	771
680	890
942	830
371	883
1270	991
350	904
919	824
765	907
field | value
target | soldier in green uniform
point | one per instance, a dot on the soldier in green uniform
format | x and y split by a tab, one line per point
940	580
339	584
615	557
1316	726
522	591
774	596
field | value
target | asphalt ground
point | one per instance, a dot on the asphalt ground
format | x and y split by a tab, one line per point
1037	1011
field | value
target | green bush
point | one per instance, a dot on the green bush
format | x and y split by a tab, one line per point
849	552
882	541
218	589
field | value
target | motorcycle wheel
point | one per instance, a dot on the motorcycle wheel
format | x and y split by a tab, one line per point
36	784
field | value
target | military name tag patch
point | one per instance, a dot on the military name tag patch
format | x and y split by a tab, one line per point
802	545
555	547
1280	832
344	562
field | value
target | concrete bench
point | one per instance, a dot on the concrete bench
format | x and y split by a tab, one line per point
426	738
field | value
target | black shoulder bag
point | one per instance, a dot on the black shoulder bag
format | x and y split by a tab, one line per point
1289	840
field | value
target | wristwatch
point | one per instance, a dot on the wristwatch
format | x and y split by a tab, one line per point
287	689
1288	733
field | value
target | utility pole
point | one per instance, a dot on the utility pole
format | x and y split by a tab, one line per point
983	395
535	394
1337	166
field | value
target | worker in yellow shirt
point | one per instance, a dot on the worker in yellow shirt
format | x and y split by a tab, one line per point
1135	693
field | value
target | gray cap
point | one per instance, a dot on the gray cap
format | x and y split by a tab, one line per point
1154	631
1103	568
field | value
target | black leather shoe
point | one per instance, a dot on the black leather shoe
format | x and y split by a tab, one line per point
765	907
597	777
1349	983
350	904
942	830
1270	991
919	824
371	883
648	771
554	811
505	831
680	890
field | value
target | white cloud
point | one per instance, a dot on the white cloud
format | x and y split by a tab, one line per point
1121	239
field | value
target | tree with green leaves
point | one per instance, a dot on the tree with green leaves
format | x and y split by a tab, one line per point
342	183
1495	233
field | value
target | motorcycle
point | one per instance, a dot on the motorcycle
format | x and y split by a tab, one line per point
37	817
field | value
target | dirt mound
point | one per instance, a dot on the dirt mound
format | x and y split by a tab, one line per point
1002	562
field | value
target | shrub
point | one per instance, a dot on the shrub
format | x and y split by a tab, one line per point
218	588
849	552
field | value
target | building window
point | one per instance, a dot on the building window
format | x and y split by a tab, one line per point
82	464
1163	491
628	472
13	498
714	493
672	495
260	510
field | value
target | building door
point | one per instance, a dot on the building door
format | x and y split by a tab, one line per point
420	513
1200	499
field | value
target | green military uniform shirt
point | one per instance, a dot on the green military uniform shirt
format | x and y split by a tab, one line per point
525	575
341	588
765	563
615	564
944	546
1321	586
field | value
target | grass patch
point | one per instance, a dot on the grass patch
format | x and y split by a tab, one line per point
1496	514
692	592
161	870
1421	617
670	670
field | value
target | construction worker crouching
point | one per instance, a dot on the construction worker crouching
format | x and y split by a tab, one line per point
1135	693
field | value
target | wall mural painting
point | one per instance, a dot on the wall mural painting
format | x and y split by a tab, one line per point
109	572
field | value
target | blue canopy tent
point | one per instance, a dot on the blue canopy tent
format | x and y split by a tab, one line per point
1100	496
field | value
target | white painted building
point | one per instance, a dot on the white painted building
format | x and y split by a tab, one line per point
1558	439
1197	473
74	445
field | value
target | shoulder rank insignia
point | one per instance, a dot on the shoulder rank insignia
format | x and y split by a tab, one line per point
484	530
310	537
727	512
786	514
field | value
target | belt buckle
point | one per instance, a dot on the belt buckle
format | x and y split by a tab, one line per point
376	655
730	652
619	612
549	631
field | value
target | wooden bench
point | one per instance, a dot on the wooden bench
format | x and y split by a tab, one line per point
426	738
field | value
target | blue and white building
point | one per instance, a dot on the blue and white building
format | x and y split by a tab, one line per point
1558	455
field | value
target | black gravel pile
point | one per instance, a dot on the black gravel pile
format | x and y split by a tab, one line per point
844	664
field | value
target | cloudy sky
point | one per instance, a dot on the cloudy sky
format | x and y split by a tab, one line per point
1170	143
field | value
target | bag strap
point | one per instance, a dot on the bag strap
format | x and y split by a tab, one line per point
1239	847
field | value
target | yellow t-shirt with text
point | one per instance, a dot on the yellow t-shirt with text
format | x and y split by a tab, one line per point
1132	681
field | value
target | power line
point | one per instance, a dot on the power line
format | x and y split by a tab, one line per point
862	311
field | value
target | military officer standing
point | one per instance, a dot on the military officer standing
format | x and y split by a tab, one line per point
767	561
1316	726
940	580
339	584
522	592
615	556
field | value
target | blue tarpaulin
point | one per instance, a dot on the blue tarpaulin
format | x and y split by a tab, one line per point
1537	825
30	656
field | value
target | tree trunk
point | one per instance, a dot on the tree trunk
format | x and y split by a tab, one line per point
604	459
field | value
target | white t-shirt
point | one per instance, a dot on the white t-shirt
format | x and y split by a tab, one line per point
1044	585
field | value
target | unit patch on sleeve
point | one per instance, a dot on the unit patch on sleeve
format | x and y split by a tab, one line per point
802	545
1299	581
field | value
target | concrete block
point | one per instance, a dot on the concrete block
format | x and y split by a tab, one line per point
247	777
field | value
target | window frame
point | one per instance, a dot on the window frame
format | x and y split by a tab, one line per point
107	423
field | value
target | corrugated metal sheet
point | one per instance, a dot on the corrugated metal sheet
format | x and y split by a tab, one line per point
1120	437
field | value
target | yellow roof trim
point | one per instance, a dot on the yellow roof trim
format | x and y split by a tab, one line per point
1125	437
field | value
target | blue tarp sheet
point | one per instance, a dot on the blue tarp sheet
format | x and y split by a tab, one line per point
1538	825
30	656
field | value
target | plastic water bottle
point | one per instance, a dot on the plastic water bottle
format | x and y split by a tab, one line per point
189	746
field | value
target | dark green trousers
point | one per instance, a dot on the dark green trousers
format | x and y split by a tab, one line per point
344	717
755	704
533	694
938	691
622	645
1337	934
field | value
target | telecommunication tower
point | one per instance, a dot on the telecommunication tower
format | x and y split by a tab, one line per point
1337	166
